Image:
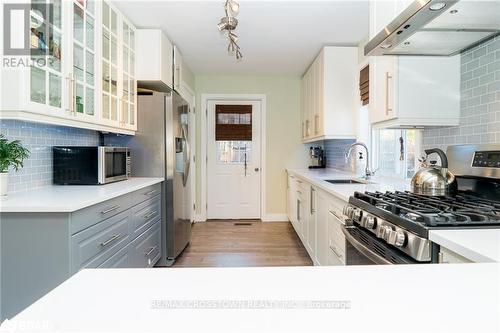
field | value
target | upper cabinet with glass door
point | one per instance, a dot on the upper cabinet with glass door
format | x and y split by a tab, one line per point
83	47
75	70
36	85
109	65
129	82
119	84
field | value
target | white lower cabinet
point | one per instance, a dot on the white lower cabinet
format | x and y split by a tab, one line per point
321	201
316	217
336	239
449	257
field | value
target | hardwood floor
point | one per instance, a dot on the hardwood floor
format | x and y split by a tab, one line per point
241	243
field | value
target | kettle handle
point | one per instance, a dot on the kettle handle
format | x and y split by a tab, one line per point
442	156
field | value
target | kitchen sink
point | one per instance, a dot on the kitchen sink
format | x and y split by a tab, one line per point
344	181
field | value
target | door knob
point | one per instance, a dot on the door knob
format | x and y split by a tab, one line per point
257	169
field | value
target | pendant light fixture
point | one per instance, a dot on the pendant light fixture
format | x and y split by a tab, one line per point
229	24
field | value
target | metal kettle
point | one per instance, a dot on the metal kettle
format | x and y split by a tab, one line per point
432	180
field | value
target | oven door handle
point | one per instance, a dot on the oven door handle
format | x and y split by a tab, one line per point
363	249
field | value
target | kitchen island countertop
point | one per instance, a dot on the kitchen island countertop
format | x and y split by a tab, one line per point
393	298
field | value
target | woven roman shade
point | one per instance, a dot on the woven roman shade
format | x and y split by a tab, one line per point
233	123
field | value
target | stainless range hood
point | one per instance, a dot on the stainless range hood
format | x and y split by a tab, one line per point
437	28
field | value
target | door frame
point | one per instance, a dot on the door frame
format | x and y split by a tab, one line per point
205	98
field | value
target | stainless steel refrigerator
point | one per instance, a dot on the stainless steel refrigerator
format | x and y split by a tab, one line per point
160	148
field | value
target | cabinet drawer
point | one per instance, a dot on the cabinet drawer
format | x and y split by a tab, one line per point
146	193
334	258
145	214
120	259
93	246
336	239
89	216
145	249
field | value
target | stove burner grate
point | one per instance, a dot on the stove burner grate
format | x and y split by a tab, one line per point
461	210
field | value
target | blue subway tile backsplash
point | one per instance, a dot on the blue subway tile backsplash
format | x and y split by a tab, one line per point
39	139
479	100
335	154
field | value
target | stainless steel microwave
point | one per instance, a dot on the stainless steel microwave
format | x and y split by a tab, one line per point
77	165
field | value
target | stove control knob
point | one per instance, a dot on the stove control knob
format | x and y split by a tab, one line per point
348	211
387	235
400	238
370	222
357	215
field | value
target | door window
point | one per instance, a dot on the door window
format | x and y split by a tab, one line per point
233	134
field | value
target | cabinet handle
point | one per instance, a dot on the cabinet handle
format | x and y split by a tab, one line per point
123	111
316	124
110	209
335	251
151	251
441	258
307	127
335	214
70	95
178	71
298	211
73	95
313	209
150	192
109	241
147	216
387	78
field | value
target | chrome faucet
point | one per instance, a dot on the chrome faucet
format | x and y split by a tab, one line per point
368	172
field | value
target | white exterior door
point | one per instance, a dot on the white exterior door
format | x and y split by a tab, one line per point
233	163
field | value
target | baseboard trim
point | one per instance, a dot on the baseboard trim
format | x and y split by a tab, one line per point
199	218
267	218
275	218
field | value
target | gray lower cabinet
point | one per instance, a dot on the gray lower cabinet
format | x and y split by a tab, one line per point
40	250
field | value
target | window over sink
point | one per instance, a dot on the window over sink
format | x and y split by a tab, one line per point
396	151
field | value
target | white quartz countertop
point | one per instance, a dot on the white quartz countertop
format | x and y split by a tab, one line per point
478	245
69	198
392	298
344	191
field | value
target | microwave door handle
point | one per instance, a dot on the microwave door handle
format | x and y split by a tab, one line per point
363	249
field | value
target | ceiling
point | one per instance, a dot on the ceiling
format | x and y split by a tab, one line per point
276	37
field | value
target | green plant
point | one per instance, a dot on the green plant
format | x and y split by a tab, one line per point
12	154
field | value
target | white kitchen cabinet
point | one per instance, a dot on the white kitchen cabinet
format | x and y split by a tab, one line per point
119	84
183	77
154	60
311	223
322	202
292	204
411	91
61	85
82	73
128	115
78	84
336	239
329	91
449	257
316	216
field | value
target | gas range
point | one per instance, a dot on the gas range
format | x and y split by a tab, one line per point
394	227
403	219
